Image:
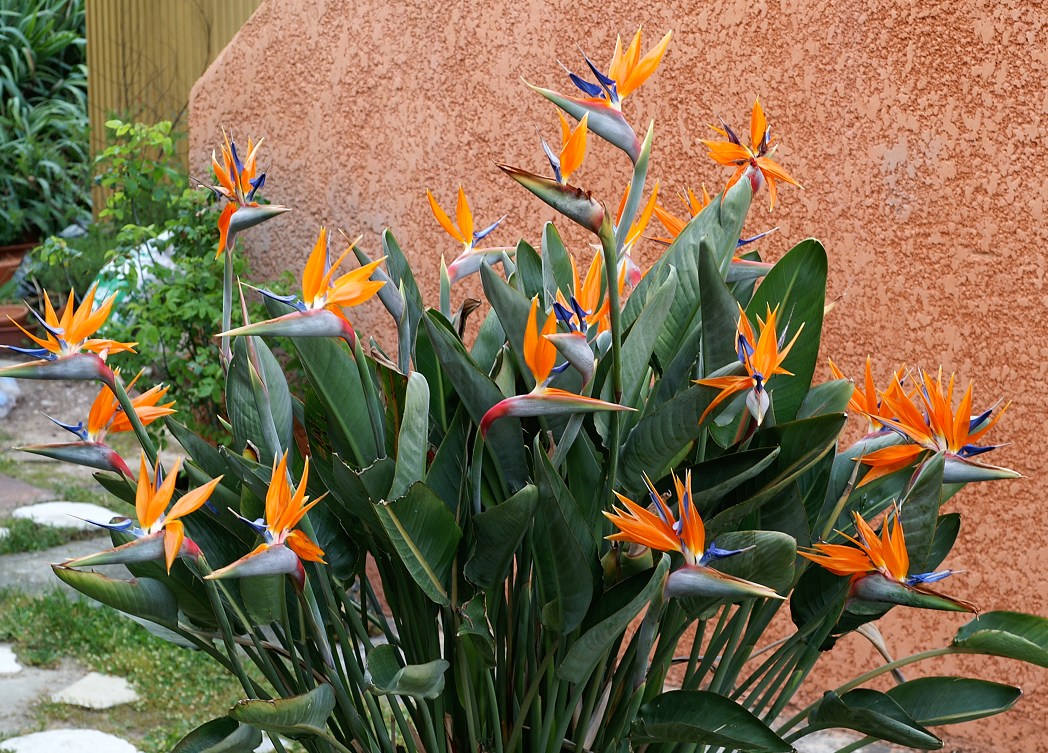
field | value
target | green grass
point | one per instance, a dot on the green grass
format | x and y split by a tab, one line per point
26	536
179	689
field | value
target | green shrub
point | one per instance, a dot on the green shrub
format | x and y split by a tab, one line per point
44	161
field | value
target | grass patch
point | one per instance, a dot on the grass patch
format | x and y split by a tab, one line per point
180	689
26	536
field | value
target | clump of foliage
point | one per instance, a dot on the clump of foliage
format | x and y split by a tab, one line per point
592	461
44	161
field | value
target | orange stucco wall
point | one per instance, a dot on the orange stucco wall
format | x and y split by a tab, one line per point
917	128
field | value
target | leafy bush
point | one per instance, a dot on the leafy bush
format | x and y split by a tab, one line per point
591	460
44	162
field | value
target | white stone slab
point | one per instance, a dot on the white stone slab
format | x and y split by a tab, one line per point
8	661
68	741
266	746
65	514
97	691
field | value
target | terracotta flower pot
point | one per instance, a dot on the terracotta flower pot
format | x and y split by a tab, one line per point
9	333
11	257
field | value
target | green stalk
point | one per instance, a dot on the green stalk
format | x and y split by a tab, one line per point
136	422
227	301
493	702
227	633
720	677
758	673
712	648
693	657
607	242
525	705
541	741
866	677
470	704
285	621
428	731
375	412
784	664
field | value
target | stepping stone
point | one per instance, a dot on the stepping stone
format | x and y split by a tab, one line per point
8	661
15	493
97	691
30	572
68	741
66	515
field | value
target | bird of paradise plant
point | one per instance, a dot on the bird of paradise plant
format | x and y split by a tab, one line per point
507	616
762	358
540	354
469	260
879	567
864	401
939	428
754	162
159	532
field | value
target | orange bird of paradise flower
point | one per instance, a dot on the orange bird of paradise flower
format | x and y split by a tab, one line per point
762	359
572	151
540	355
879	567
159	533
864	399
72	333
319	310
938	429
754	161
283	546
238	184
662	531
106	417
468	262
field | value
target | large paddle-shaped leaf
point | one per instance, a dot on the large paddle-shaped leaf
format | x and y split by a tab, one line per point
413	441
919	512
797	285
425	535
874	714
952	700
386	675
699	717
768	559
222	735
247	397
1011	634
587	650
334	375
720	224
300	716
478	394
143	597
556	264
499	531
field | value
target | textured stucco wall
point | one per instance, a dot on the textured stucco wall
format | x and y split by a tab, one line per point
916	127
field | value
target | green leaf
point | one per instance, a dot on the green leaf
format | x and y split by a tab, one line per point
720	314
142	597
1014	635
413	442
499	531
951	700
700	717
565	551
556	264
478	394
203	454
387	676
828	397
529	270
587	650
874	714
425	535
946	530
299	716
714	479
513	310
356	492
803	443
488	343
660	436
919	511
720	224
333	374
222	735
447	473
249	423
797	285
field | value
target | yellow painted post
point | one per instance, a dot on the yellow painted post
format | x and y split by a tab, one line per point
143	57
